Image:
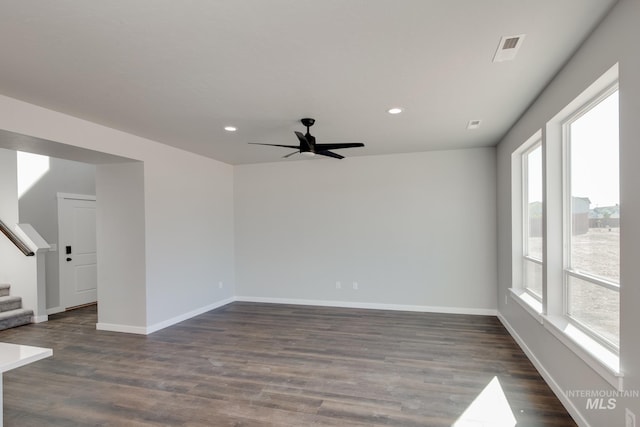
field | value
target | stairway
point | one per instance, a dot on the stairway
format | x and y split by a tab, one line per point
11	312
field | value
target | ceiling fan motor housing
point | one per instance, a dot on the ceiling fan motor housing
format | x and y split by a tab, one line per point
307	122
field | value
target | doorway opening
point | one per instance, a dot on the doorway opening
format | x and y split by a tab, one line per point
74	173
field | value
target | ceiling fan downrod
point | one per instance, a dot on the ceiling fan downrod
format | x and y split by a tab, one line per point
307	122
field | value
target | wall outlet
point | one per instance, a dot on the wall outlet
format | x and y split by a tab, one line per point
355	286
338	285
629	418
220	285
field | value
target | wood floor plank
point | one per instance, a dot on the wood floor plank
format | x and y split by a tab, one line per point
249	364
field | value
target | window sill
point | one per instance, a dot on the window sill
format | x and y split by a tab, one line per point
598	357
529	303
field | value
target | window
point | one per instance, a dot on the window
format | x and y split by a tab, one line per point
565	218
592	219
532	220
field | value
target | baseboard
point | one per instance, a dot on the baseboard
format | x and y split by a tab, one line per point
39	319
54	310
142	330
555	387
166	323
373	306
128	329
146	330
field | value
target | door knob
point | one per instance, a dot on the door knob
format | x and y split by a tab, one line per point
68	259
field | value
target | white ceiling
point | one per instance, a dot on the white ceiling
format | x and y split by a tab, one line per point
179	71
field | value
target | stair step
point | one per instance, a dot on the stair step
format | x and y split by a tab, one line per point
13	318
8	303
4	289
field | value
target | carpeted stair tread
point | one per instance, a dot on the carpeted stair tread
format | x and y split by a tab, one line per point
4	289
13	318
8	303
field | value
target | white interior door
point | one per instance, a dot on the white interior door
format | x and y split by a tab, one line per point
77	248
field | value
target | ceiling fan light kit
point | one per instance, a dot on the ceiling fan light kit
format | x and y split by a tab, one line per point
308	146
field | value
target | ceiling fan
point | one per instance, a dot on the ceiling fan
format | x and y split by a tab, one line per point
308	146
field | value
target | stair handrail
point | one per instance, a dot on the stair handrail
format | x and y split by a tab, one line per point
15	240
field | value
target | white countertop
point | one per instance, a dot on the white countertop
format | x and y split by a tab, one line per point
15	355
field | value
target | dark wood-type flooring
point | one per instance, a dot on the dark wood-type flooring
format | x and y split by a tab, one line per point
251	364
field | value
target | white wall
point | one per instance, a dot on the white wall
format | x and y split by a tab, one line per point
120	232
8	187
417	230
15	269
191	203
39	207
185	249
614	41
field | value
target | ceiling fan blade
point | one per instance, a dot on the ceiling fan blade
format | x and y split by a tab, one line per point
329	154
289	155
308	144
275	145
339	145
305	144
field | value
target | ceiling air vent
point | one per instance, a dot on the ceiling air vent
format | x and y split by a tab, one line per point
473	124
508	48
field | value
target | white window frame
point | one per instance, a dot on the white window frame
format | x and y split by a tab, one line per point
525	220
550	313
519	293
567	221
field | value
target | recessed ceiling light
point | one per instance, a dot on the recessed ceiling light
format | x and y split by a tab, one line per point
394	110
230	128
